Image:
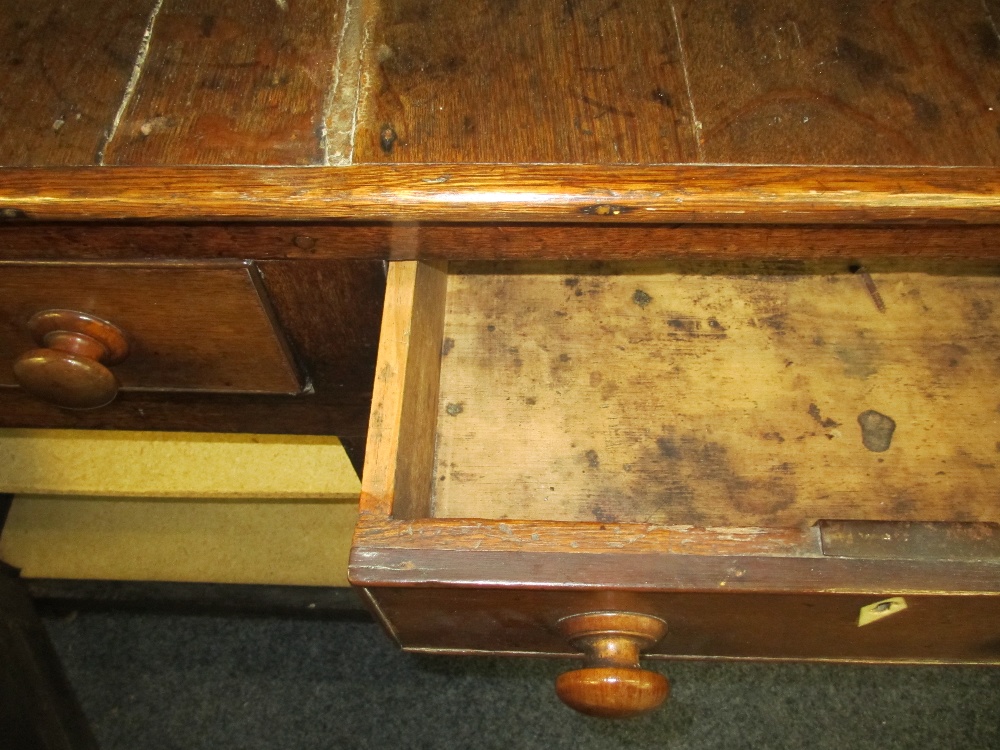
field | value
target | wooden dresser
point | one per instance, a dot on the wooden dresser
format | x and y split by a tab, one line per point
691	309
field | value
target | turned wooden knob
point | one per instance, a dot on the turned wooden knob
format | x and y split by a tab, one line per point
612	685
70	370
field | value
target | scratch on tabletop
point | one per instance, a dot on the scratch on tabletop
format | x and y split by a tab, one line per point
695	123
133	83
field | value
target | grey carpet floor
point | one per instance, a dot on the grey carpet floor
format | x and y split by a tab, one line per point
156	681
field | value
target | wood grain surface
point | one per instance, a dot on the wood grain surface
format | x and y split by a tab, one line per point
679	395
723	81
712	625
921	247
329	312
64	70
500	194
526	81
402	435
189	326
585	81
225	83
850	82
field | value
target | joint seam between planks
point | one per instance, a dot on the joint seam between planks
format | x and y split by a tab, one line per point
340	89
331	96
695	123
133	82
366	39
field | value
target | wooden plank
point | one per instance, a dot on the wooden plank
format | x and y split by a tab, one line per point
616	571
852	82
577	537
953	629
64	69
660	395
538	194
922	247
233	84
401	443
585	81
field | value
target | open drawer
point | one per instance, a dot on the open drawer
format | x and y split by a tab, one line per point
694	460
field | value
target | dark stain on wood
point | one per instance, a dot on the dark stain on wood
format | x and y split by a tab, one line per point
454	410
641	298
602	515
446	346
690	328
826	423
681	463
876	430
387	138
663	98
593	461
987	42
868	65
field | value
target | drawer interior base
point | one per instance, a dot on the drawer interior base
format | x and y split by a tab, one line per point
715	396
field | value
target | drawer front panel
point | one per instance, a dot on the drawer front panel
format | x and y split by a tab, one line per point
190	327
961	629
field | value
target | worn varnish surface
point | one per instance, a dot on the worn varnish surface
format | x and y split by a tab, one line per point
782	81
852	82
526	81
64	69
226	83
176	82
171	82
642	394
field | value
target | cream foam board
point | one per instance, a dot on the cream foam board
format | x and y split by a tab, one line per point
195	465
142	539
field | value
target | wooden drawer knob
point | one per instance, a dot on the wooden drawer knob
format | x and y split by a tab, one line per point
612	685
70	370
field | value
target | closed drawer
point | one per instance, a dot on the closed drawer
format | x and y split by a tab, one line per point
775	462
186	326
